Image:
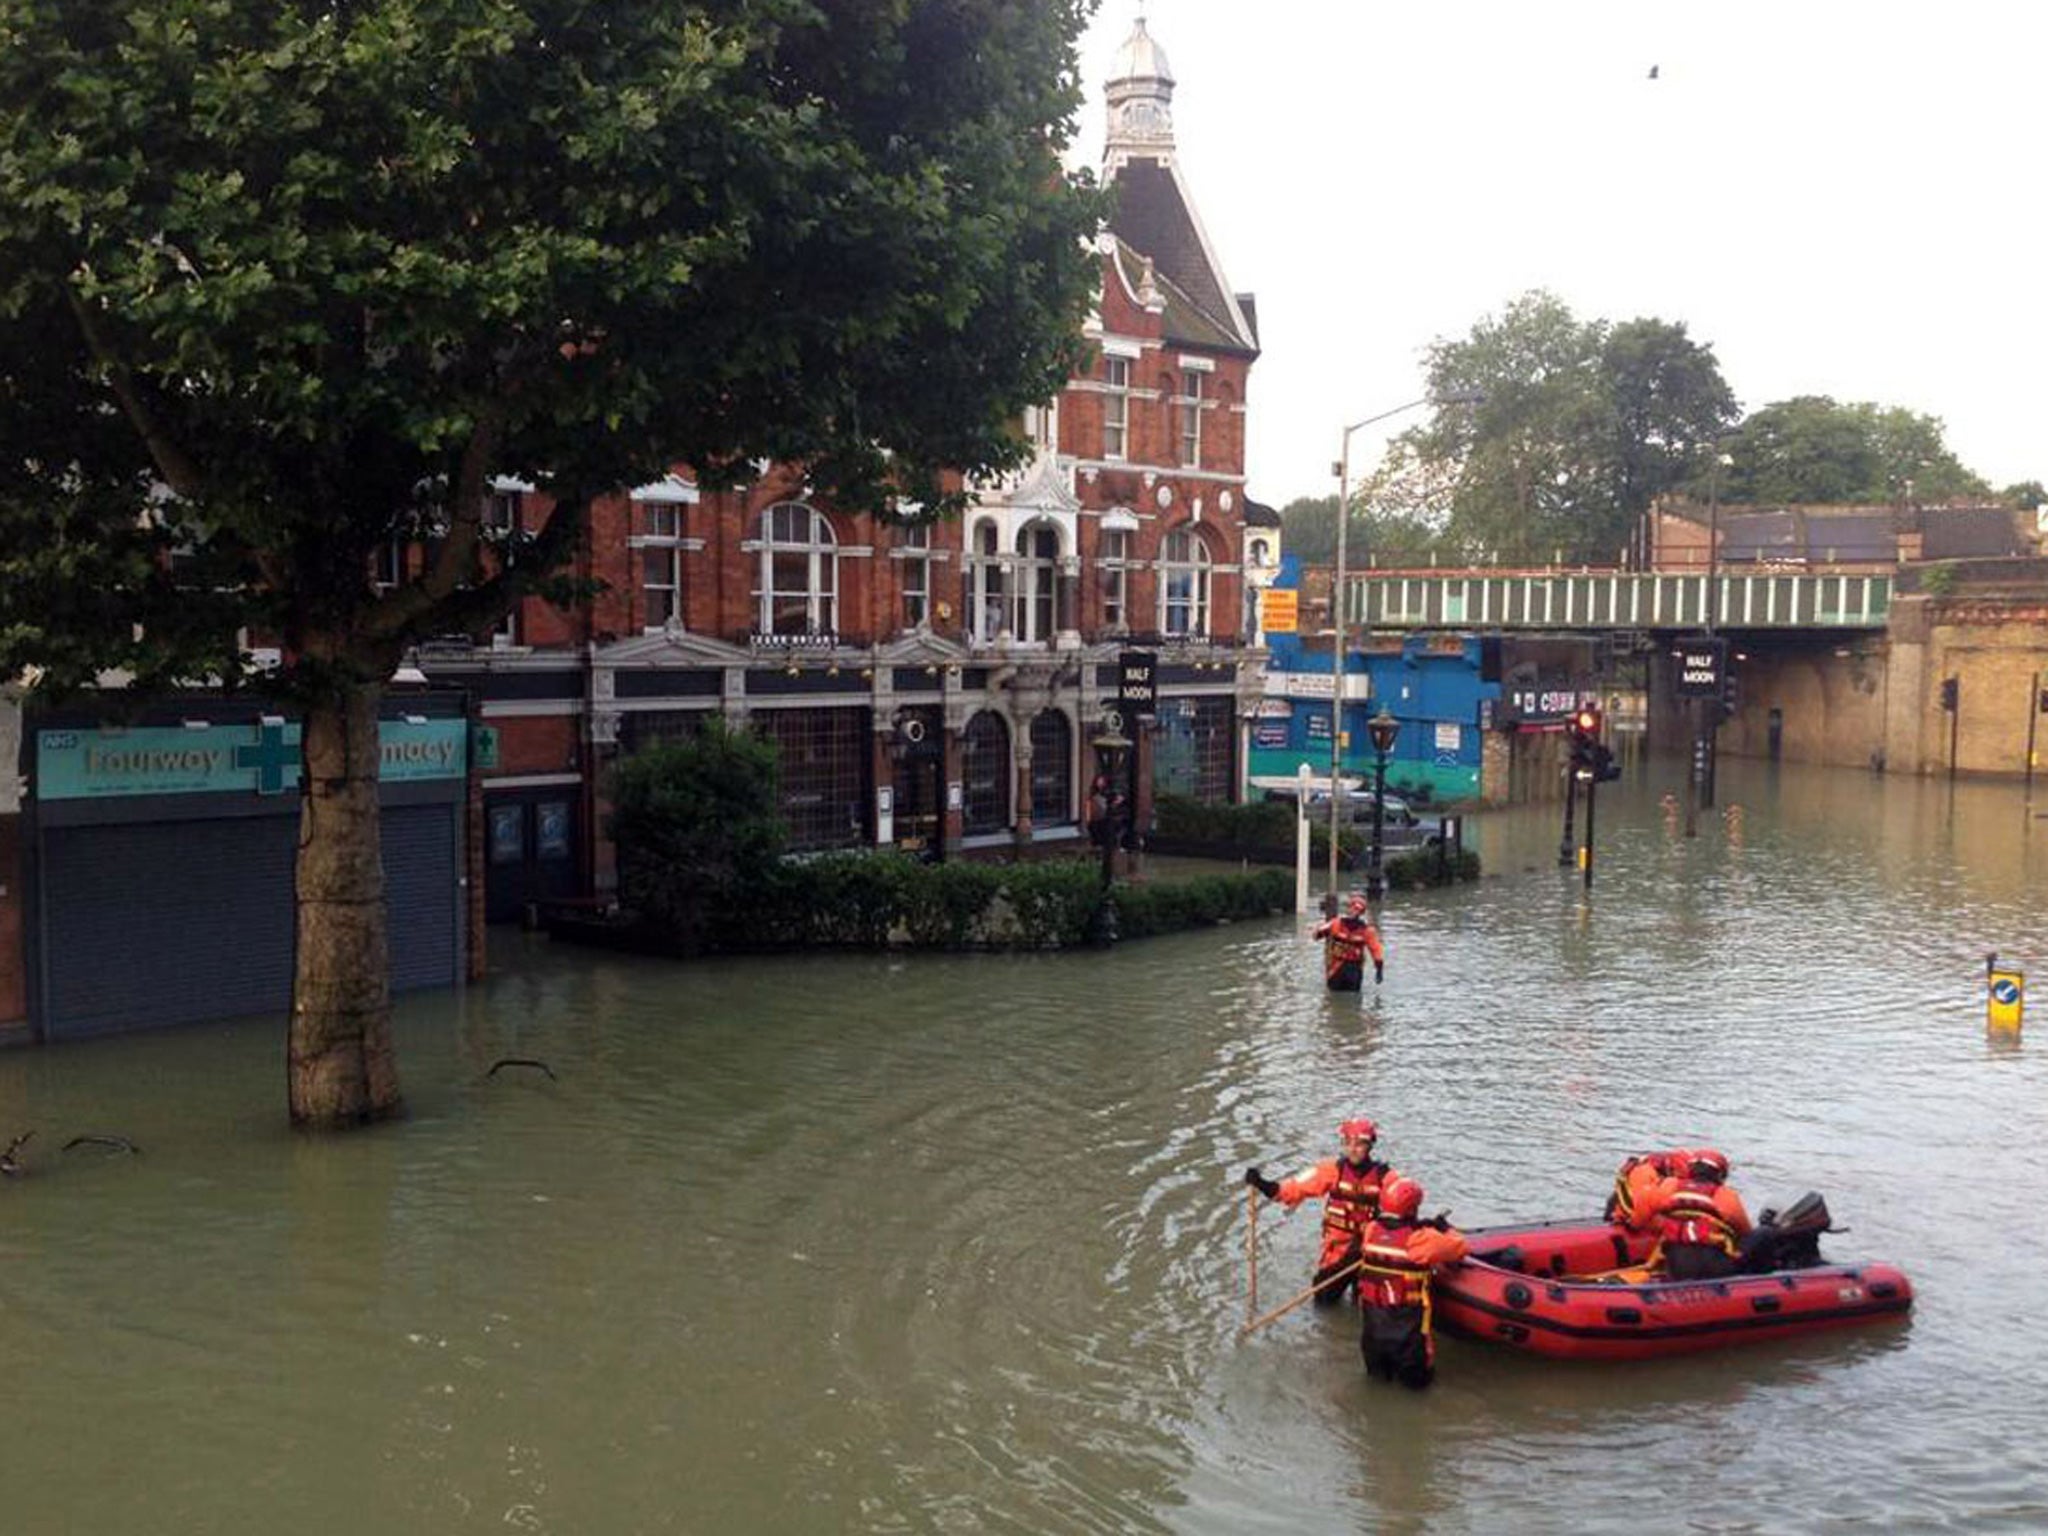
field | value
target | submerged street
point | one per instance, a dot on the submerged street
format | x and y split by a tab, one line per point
958	1244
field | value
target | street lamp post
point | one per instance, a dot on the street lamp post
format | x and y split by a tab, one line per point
1383	728
1111	747
1343	471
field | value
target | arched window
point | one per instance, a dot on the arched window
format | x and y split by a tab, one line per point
985	771
1260	553
985	573
1038	570
1052	768
797	589
1184	584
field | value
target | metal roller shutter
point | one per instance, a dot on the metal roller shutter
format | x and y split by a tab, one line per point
147	924
421	896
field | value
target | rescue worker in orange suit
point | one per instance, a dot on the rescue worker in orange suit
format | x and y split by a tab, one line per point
1400	1253
1637	1176
1698	1221
1349	1187
1347	939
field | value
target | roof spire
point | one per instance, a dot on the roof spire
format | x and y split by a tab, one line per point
1140	97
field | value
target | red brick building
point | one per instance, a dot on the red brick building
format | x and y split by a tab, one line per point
926	683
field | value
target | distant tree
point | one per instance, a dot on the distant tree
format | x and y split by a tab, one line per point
283	283
2026	495
1664	406
1582	424
1813	449
1308	529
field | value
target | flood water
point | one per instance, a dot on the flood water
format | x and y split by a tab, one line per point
957	1244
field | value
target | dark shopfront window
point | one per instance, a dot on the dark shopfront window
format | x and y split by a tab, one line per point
1052	769
1196	749
826	757
985	766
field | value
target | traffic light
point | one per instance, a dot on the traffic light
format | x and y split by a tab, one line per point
1951	688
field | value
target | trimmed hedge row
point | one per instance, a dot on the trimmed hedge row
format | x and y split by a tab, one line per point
888	900
1430	866
1264	826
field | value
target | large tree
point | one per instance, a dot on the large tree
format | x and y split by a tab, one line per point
1815	449
1581	425
281	282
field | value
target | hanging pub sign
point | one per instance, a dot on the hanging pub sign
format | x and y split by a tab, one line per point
1137	682
1702	664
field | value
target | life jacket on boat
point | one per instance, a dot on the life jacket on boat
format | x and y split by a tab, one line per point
1698	1211
1351	1198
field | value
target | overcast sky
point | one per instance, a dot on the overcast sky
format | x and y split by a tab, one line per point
1841	199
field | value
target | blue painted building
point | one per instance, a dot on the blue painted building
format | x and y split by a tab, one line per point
1435	685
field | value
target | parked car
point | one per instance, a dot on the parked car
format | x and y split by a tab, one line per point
1356	808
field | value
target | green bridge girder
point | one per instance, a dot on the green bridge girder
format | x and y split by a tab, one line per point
1594	600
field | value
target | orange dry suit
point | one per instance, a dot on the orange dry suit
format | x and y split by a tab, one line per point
1350	1193
1347	940
1698	1224
1636	1177
1399	1253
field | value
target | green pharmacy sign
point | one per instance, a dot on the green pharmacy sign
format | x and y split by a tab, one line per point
213	758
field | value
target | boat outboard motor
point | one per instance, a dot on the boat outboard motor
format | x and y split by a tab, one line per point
1789	1239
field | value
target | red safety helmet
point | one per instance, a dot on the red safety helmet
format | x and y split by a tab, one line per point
1708	1163
1400	1196
1360	1129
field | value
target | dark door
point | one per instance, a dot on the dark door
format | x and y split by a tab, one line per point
530	843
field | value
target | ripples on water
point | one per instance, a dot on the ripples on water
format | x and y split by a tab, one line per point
957	1244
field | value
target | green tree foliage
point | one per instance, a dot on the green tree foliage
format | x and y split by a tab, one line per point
1308	529
697	831
2026	495
283	282
1813	449
1581	424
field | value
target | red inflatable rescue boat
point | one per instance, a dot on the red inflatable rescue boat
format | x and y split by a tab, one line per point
1576	1291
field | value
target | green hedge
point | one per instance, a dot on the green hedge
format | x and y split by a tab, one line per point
1143	910
1424	867
887	900
1262	826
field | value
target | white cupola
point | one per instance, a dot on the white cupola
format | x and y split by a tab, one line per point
1139	92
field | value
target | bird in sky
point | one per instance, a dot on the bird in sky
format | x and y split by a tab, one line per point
1653	71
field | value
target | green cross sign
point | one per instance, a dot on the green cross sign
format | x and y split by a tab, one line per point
270	757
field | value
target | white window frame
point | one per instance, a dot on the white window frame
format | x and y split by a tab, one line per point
1035	592
1184	558
660	542
915	579
1191	420
796	528
1115	561
1116	407
987	591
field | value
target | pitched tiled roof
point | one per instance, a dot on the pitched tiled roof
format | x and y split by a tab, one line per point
1152	217
1258	515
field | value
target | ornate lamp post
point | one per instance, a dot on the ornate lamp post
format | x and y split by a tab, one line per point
1383	728
1112	750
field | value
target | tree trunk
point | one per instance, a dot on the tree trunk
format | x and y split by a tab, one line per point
342	1068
